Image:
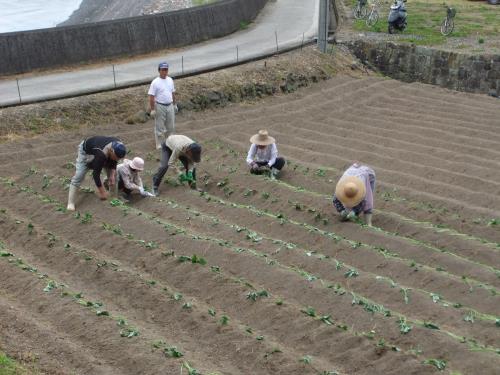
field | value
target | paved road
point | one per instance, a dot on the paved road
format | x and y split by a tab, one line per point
290	22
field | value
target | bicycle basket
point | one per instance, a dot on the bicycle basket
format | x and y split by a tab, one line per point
452	12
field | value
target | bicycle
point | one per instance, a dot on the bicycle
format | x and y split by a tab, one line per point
360	11
448	24
372	17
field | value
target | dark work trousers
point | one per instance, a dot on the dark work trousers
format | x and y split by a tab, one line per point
121	186
166	152
278	164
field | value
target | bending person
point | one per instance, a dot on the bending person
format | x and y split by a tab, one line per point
178	147
354	193
96	153
263	155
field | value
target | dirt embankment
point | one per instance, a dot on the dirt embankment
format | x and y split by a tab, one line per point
277	75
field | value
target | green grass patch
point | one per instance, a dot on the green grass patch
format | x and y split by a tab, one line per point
203	2
473	19
10	367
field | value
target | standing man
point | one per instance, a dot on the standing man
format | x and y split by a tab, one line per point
96	153
162	104
178	147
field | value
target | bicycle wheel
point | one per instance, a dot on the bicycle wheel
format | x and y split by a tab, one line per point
356	12
447	26
372	18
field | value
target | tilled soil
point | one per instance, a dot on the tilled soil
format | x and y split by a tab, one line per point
282	286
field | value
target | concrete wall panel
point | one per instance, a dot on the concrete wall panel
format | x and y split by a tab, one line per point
25	51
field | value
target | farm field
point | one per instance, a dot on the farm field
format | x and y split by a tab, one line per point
254	276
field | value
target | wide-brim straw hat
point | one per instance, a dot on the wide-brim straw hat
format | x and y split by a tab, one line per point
350	191
262	138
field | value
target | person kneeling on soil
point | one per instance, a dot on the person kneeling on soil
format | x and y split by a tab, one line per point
263	155
354	193
129	179
178	147
96	153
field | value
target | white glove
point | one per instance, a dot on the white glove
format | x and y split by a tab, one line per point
141	190
147	194
176	109
152	113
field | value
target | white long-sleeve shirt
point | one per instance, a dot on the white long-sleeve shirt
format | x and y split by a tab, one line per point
179	145
267	154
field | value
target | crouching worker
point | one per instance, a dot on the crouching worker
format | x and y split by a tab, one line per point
96	153
263	155
354	193
178	147
129	179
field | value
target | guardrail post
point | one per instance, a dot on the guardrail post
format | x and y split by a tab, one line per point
323	25
302	45
237	55
114	75
182	64
19	91
276	36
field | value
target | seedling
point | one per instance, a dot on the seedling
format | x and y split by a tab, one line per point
306	359
254	295
320	173
177	296
279	302
403	327
435	297
470	317
187	306
351	273
309	311
191	370
171	351
115	202
211	312
259	338
129	332
46	182
6	254
438	363
493	222
52	239
30	228
430	325
273	351
406	296
265	195
224	320
50	285
326	319
102	313
87	218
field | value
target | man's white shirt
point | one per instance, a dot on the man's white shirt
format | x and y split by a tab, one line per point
162	90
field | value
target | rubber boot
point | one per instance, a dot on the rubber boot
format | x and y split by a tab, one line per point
71	197
343	215
368	219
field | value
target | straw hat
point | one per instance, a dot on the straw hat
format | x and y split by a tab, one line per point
262	138
350	191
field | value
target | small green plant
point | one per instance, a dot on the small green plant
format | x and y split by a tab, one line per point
254	295
306	359
309	311
351	273
480	40
224	320
30	228
406	296
129	332
171	351
211	312
87	218
403	327
438	363
190	370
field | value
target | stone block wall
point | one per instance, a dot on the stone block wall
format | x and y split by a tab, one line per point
410	63
25	51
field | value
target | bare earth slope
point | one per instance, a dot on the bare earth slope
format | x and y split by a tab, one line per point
283	287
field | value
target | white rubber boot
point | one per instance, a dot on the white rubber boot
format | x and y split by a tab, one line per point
71	197
368	219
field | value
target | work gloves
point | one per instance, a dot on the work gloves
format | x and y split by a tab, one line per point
188	177
176	109
152	114
145	193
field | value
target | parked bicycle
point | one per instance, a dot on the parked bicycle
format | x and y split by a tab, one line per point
372	17
360	10
448	24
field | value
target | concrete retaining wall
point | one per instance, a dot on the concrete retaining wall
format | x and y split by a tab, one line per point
472	73
26	51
